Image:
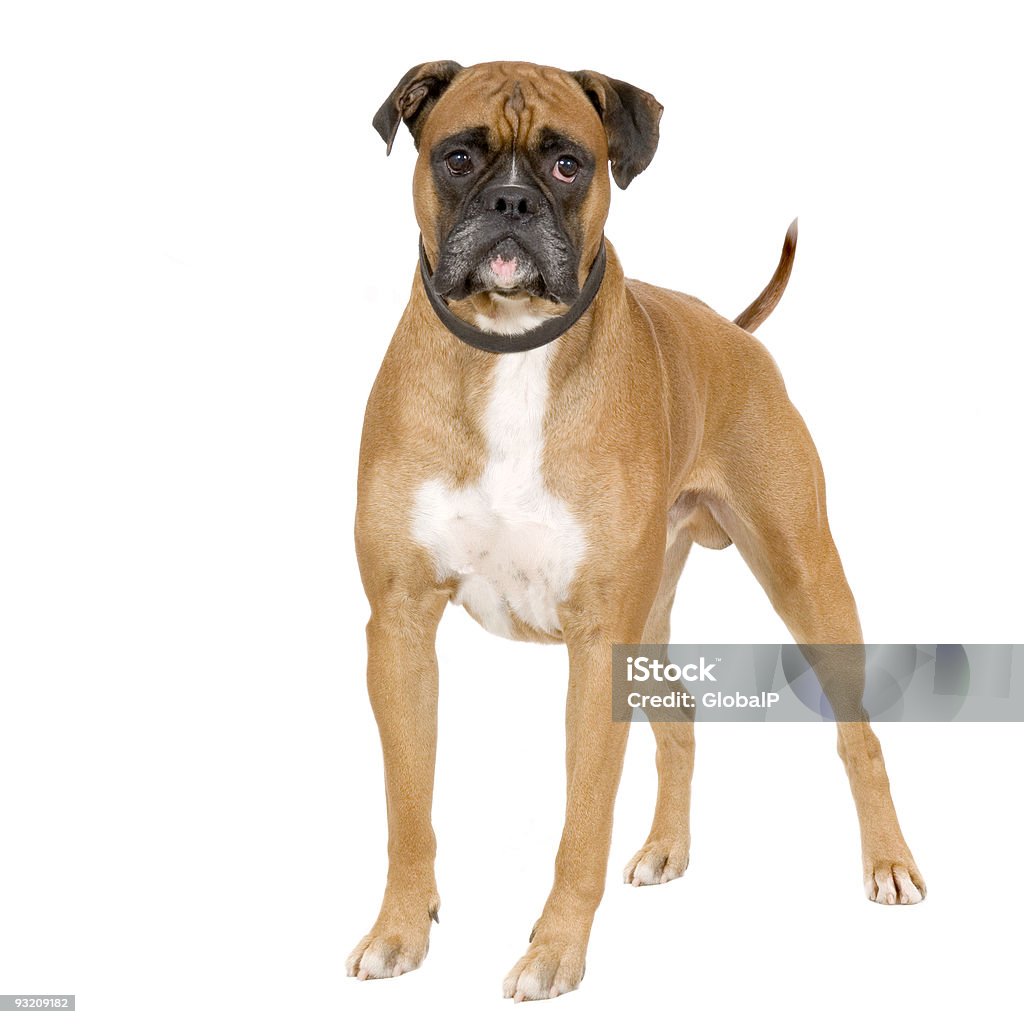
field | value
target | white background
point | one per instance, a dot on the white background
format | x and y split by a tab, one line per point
203	252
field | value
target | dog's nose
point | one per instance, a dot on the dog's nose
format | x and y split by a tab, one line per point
511	200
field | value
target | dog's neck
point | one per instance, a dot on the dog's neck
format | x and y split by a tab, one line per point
512	315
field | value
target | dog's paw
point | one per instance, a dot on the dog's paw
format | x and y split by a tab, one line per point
550	968
391	949
656	862
385	956
893	883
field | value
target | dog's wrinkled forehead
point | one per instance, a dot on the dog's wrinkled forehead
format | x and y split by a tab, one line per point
515	104
615	120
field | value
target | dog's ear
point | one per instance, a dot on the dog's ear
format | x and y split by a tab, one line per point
630	118
412	98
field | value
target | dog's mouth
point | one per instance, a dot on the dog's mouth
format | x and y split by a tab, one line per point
509	270
506	269
509	266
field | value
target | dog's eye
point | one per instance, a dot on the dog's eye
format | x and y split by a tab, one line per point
566	168
459	162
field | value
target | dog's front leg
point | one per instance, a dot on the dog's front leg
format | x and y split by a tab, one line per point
402	681
595	746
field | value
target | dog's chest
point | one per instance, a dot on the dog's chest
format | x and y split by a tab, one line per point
512	546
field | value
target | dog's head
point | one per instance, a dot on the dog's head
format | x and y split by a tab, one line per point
511	185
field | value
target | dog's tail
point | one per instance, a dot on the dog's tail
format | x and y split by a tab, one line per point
757	312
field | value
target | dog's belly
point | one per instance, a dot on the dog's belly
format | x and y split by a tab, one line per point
512	547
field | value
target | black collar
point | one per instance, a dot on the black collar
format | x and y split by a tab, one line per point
546	332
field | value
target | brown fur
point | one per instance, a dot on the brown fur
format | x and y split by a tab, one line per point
759	310
652	393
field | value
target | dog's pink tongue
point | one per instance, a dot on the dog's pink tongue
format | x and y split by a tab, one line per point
504	270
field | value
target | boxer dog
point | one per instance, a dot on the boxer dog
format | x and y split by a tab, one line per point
544	442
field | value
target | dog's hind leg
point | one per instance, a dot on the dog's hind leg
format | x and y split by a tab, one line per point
774	510
666	852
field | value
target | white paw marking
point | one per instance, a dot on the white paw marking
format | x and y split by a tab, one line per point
546	971
656	863
380	958
892	884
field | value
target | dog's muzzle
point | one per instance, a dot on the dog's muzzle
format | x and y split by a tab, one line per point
508	241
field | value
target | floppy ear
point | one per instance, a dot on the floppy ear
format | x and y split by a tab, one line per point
412	99
630	118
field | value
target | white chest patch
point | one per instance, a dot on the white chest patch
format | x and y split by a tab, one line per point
510	543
